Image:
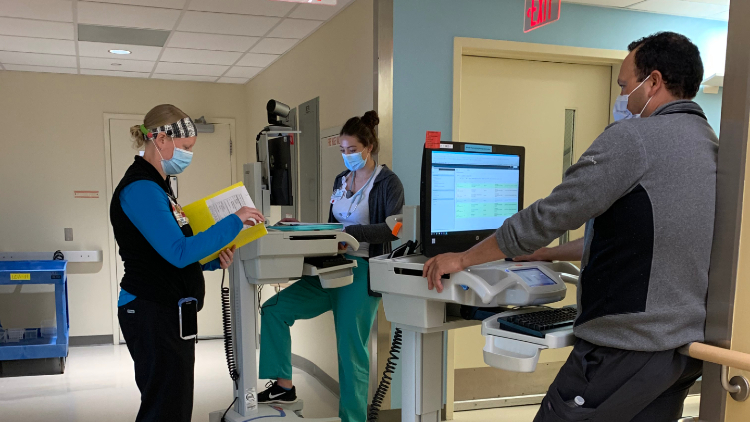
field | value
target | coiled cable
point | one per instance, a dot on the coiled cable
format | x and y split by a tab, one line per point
226	319
58	256
385	382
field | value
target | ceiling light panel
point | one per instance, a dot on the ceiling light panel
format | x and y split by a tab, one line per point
273	46
243	7
116	64
680	7
137	52
318	12
167	4
37	45
99	72
34	59
38	29
190	69
257	60
243	72
294	28
182	55
226	80
212	41
221	23
44	69
48	10
126	16
185	77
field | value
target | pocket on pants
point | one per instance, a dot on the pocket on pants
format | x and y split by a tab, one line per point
554	409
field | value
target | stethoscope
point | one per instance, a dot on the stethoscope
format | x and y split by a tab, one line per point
359	194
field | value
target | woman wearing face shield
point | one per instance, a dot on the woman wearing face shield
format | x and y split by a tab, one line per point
363	197
162	274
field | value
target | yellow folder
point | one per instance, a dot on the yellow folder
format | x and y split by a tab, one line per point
201	219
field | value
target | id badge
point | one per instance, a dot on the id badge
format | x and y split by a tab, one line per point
337	194
188	318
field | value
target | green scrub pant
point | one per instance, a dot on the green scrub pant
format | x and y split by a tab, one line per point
354	312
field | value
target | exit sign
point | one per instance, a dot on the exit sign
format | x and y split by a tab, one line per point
539	13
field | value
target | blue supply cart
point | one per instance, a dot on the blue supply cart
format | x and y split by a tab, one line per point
39	272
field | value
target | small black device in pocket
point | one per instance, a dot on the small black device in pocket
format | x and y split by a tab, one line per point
188	318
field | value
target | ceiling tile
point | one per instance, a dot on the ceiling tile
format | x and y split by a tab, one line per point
245	7
98	49
126	16
226	80
37	29
48	10
724	16
257	60
45	69
221	23
185	77
37	45
183	55
605	3
722	2
273	46
168	4
34	59
243	72
212	41
319	11
680	8
294	28
115	73
190	69
114	64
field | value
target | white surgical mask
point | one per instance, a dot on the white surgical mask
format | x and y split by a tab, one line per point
621	112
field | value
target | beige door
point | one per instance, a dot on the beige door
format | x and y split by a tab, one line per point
530	104
210	171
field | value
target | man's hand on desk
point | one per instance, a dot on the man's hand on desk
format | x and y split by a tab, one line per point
451	263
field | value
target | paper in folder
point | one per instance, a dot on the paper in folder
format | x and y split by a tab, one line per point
206	212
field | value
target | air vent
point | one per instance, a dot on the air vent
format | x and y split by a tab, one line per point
126	36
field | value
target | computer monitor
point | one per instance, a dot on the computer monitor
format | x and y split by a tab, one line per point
467	191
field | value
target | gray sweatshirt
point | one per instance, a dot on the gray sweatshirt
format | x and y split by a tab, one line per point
646	189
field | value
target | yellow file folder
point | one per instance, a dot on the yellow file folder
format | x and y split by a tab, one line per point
226	201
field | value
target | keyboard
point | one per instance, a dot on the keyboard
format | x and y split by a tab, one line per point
538	323
327	261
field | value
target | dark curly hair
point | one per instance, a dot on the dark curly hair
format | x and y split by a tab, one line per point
363	128
675	56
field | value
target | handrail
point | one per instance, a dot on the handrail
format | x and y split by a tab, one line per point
738	387
717	355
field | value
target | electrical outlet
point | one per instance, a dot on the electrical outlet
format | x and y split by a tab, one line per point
68	235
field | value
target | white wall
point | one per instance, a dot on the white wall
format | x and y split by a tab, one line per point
336	64
51	144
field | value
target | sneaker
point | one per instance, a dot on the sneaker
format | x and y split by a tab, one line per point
275	394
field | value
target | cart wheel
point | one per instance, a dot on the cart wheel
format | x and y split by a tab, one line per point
62	365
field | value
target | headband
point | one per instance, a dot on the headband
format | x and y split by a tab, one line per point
184	128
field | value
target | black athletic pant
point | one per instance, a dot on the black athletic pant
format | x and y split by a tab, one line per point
164	363
620	386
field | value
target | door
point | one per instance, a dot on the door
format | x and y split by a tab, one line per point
331	165
547	108
210	171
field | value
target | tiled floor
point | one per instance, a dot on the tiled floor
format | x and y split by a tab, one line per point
98	385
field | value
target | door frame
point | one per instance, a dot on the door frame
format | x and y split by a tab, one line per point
110	190
477	47
500	49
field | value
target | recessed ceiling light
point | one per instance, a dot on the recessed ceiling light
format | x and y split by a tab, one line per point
116	64
119	51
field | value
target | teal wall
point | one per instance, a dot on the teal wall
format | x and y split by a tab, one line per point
423	34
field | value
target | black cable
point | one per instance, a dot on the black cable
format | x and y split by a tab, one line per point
227	411
58	256
385	382
226	319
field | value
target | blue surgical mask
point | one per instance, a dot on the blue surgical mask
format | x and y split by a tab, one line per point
179	161
354	161
621	112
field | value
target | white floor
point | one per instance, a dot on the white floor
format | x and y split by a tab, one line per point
98	385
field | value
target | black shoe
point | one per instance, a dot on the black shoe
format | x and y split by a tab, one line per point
276	394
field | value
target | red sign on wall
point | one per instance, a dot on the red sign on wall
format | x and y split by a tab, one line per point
539	13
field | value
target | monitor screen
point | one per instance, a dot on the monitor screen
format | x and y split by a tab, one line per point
467	192
534	277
